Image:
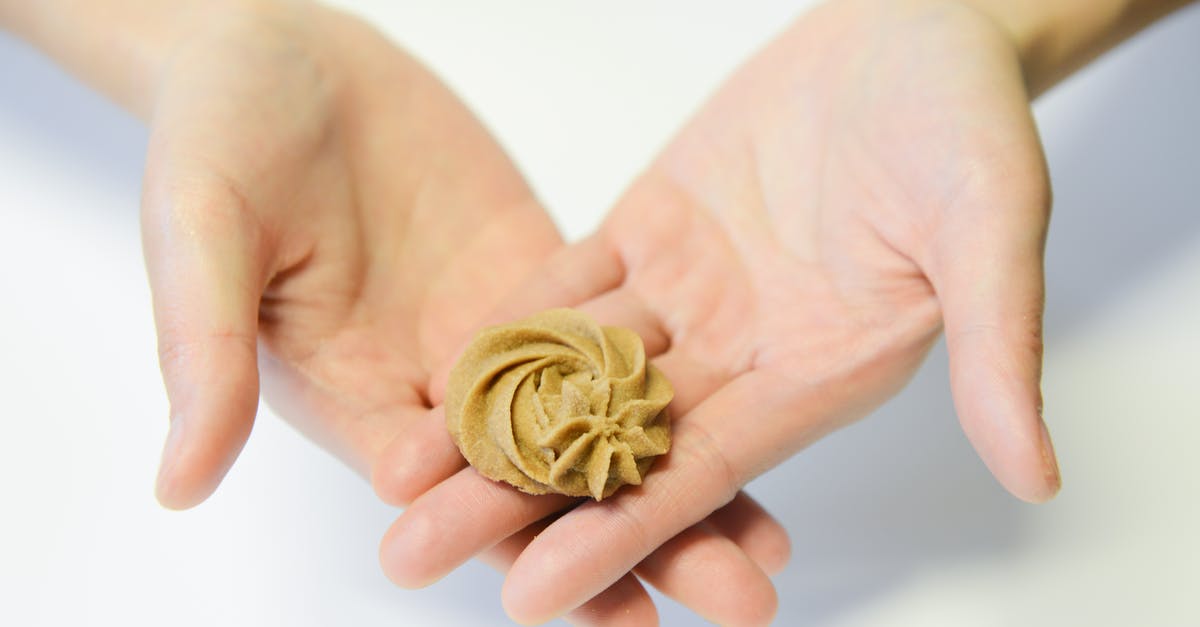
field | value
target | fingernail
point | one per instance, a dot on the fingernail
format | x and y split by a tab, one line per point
1050	461
170	455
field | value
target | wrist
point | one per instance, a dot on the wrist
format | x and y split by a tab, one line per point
123	47
1054	38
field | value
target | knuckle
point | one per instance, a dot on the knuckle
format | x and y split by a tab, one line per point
208	215
199	206
622	517
702	448
176	354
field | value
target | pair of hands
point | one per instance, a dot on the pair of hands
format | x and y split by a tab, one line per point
789	259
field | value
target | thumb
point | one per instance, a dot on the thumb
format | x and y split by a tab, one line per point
989	278
205	261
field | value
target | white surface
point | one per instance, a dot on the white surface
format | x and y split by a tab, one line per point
894	521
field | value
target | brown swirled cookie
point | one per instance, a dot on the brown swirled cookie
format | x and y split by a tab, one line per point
556	403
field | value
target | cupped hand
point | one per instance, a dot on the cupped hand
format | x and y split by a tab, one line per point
872	175
319	206
312	190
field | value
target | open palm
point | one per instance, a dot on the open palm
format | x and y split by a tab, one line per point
334	201
790	259
315	193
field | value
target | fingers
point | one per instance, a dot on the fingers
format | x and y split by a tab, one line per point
713	453
989	279
696	568
423	455
623	308
625	603
693	379
755	531
206	268
610	537
454	521
466	514
719	568
417	459
418	550
702	569
574	274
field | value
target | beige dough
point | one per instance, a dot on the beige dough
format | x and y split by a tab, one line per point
556	403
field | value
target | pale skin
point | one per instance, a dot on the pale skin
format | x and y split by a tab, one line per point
847	194
870	180
322	214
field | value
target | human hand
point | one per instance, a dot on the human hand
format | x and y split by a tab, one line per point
313	188
313	191
790	259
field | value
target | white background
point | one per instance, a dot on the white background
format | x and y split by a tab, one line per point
894	521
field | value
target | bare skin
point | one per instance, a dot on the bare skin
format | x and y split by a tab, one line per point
320	209
871	179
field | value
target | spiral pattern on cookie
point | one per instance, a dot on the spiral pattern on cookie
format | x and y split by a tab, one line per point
556	403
